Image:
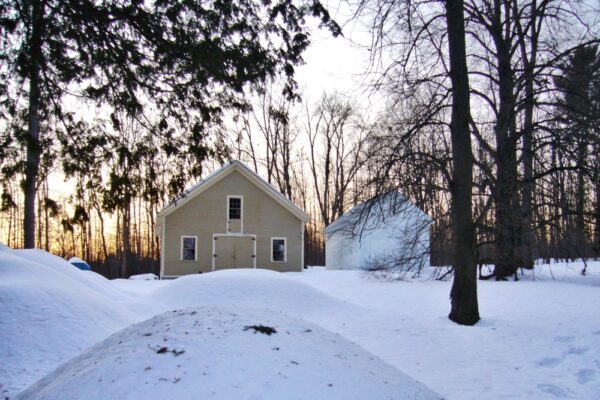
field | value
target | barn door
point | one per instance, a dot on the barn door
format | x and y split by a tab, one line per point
233	252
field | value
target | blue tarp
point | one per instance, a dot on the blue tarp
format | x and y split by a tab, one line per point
82	266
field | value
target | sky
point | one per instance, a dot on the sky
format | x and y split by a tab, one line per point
336	64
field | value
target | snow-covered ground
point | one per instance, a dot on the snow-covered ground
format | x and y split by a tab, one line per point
539	338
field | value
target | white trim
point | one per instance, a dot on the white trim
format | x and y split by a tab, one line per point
301	246
212	253
255	255
162	251
235	196
195	247
232	235
284	248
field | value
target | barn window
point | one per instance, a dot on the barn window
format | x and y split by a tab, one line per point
189	248
235	207
278	250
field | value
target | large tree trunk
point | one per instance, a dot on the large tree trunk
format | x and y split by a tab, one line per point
528	183
33	134
507	210
527	201
528	131
506	189
465	309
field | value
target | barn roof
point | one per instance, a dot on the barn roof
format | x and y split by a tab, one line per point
377	212
221	173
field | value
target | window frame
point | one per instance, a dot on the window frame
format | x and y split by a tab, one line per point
183	237
284	249
241	198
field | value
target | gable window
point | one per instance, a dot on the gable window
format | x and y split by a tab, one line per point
278	250
189	248
235	207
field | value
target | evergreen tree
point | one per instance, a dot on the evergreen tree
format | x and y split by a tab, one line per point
186	61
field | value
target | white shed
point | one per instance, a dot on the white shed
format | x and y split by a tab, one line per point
385	232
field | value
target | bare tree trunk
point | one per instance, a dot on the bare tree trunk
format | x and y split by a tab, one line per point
507	209
465	309
596	177
506	187
11	218
528	130
40	227
102	235
580	238
597	213
126	255
46	217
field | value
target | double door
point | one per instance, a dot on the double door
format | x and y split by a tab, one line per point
234	251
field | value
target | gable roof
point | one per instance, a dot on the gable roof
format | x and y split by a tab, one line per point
221	173
373	214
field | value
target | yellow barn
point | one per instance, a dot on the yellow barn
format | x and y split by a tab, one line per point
231	219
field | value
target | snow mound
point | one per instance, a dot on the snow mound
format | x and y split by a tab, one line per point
253	288
47	318
226	353
90	279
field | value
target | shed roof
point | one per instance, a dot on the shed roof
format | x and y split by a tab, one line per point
377	212
221	173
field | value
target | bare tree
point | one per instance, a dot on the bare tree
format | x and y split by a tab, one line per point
272	118
338	138
465	309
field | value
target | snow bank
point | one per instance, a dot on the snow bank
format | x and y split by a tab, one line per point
220	353
87	278
46	317
255	288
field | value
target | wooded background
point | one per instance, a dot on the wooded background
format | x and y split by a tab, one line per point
534	71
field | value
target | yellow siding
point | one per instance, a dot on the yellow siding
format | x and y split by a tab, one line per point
206	214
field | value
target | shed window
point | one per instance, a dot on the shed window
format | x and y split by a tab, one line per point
188	248
235	208
278	250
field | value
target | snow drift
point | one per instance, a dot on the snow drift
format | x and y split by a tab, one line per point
226	353
254	288
90	279
47	316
